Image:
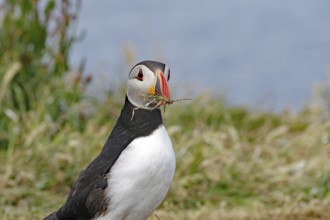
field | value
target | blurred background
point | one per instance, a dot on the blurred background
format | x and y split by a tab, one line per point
254	143
265	54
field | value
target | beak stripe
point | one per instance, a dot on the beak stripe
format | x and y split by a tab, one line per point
161	86
165	89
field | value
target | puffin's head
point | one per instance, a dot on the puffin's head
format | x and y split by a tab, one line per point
146	79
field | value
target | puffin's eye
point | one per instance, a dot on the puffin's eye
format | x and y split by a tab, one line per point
168	75
139	76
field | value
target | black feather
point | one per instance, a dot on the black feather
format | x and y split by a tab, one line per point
152	65
87	198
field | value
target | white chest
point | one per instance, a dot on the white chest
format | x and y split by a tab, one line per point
141	177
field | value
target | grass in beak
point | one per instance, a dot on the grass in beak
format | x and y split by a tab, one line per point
160	100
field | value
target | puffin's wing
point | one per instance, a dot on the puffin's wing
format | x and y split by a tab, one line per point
52	216
88	197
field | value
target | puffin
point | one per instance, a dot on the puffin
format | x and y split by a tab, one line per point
133	172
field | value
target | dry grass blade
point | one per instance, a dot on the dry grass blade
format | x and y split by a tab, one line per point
160	100
9	75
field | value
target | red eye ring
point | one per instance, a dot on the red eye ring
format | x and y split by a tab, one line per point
139	76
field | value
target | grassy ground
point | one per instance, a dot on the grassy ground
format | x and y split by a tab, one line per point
231	163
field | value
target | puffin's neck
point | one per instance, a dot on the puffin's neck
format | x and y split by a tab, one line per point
141	121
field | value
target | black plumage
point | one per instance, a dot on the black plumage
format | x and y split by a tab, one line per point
87	198
152	65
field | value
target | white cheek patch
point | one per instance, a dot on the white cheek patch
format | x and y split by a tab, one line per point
137	91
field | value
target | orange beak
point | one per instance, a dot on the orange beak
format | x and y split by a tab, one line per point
161	87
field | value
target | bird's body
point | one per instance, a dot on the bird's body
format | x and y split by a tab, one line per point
136	189
132	174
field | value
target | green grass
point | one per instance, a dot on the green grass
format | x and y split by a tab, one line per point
232	163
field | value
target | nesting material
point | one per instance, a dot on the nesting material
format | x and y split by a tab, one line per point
160	100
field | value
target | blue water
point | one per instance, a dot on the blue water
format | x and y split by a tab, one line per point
265	54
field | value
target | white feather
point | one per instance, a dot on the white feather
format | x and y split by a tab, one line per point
137	91
140	178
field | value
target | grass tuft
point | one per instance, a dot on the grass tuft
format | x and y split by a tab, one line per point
232	163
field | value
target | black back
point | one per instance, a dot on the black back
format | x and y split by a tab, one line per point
87	197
